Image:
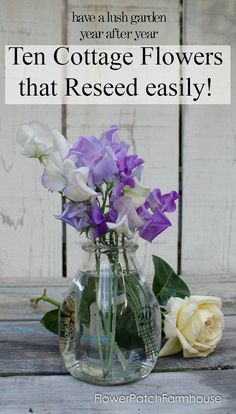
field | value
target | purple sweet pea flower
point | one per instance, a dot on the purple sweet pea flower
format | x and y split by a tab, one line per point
152	212
117	191
125	180
76	215
98	220
129	164
155	223
165	202
111	216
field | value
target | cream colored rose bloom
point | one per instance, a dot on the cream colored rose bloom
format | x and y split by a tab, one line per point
194	325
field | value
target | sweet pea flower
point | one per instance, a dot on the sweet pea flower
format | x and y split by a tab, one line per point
138	193
131	165
103	171
62	175
152	212
77	189
94	171
38	141
127	218
98	219
154	223
54	177
114	145
90	152
76	215
165	202
86	151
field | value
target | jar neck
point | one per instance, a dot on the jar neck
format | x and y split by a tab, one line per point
110	243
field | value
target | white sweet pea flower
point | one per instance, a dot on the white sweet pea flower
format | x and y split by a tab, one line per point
77	189
194	325
54	177
60	144
127	220
38	141
121	226
138	193
62	175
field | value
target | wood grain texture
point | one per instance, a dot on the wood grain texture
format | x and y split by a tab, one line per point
150	130
31	349
209	151
70	396
15	296
30	244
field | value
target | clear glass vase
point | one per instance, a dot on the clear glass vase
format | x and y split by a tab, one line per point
109	321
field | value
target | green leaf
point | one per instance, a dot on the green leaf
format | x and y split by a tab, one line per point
167	283
50	321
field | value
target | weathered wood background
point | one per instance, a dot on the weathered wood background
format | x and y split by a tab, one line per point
192	149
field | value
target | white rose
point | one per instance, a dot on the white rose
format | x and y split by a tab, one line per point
194	325
38	141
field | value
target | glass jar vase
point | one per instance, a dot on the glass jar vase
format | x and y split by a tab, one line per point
109	321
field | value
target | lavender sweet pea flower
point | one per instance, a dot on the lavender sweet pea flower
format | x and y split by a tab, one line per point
103	170
113	144
165	202
76	215
90	152
98	219
86	151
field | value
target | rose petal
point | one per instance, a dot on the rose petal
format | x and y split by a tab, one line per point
172	346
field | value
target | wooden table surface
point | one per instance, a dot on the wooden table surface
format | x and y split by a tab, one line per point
33	378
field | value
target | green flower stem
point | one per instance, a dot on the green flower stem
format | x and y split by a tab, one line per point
113	329
108	319
44	297
98	325
104	202
108	324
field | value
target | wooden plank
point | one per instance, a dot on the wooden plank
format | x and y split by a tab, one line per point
151	130
30	243
28	348
64	395
15	296
209	168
